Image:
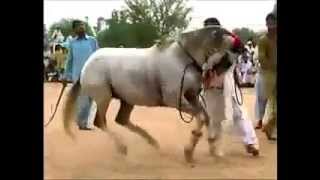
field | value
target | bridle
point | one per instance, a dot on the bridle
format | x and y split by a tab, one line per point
199	69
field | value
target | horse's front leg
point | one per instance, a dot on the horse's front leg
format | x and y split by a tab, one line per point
196	134
201	119
190	104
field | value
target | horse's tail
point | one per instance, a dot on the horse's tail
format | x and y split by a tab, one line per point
70	107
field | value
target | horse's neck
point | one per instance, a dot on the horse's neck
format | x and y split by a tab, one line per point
192	45
175	53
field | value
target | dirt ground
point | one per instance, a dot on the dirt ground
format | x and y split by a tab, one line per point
93	154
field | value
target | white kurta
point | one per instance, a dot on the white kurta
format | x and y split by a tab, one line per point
222	105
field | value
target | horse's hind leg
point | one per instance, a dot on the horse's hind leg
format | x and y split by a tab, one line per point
103	98
123	118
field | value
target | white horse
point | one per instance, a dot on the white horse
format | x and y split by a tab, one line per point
149	77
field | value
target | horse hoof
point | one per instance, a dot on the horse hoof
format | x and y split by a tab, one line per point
212	151
191	165
154	144
188	153
122	149
216	153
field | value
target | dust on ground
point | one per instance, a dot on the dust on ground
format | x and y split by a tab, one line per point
93	154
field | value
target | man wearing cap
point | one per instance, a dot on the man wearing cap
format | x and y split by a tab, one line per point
242	123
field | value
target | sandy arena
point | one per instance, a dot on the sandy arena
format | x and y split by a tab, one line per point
93	156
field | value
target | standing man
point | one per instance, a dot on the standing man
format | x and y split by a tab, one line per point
266	81
80	48
59	57
243	124
57	37
245	67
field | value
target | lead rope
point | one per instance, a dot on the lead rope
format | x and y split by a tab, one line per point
180	95
64	85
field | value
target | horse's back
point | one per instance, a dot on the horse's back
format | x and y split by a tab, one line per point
121	52
131	73
109	58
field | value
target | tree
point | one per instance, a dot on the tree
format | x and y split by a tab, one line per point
129	35
65	25
245	34
143	22
167	16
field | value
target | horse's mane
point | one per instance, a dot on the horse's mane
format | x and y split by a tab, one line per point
165	41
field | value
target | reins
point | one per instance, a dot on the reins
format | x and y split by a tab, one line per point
194	64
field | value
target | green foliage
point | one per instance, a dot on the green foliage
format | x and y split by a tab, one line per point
166	15
129	35
65	25
143	22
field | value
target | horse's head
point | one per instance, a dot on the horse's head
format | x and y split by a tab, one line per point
205	42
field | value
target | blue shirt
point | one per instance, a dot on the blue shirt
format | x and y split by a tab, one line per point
79	52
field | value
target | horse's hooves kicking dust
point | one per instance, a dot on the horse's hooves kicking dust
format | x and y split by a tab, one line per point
122	149
123	119
188	154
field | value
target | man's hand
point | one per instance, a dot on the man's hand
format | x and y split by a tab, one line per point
65	80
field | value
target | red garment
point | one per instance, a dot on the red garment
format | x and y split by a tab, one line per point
236	41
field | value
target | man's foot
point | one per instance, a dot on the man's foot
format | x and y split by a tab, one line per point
251	149
259	125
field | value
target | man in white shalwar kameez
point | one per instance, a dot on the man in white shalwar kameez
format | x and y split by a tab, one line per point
221	104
